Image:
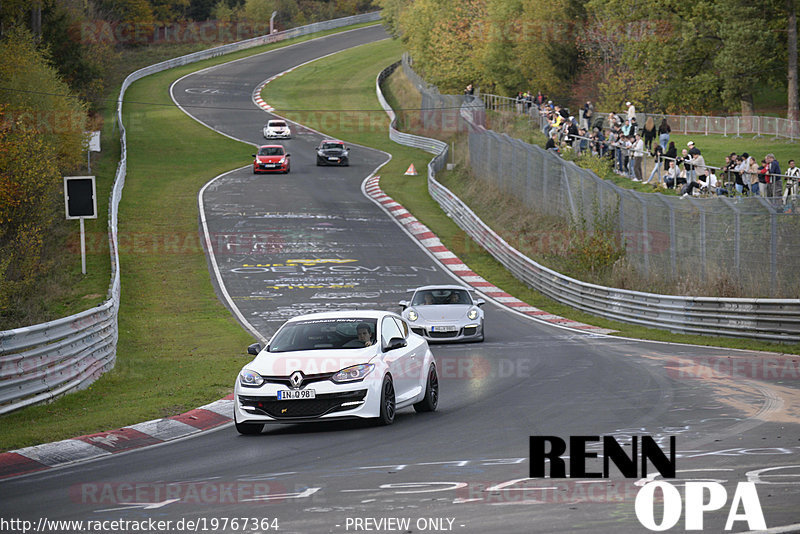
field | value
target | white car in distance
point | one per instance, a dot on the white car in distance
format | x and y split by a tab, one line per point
445	313
277	129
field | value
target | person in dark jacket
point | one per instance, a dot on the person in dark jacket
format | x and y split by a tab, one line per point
663	133
649	133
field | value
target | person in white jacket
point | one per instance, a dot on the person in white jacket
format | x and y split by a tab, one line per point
638	158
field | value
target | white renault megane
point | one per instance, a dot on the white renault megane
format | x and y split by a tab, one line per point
336	365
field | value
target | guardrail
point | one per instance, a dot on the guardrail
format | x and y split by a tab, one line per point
766	319
41	362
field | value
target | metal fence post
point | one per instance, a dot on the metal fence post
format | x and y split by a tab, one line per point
773	252
644	241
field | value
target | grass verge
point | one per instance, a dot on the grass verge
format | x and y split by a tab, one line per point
348	82
179	347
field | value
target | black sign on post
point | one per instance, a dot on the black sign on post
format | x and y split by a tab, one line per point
80	199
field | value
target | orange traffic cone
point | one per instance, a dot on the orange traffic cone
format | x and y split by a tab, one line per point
411	170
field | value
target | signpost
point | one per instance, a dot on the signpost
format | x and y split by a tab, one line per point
80	202
94	146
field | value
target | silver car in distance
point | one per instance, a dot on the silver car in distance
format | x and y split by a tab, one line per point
336	365
444	313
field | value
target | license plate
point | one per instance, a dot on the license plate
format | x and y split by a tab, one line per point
333	159
443	329
295	394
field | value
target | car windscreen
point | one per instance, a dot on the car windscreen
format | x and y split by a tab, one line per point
430	297
277	124
327	146
319	334
270	151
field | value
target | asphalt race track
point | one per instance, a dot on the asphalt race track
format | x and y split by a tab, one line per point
311	240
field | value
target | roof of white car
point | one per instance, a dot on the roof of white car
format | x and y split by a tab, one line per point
349	314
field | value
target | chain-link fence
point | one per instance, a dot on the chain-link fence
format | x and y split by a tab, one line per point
750	243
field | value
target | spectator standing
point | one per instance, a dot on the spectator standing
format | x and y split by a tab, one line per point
690	171
763	179
755	185
657	155
634	127
774	170
649	133
631	110
520	102
663	133
626	128
638	158
672	151
588	112
700	169
793	176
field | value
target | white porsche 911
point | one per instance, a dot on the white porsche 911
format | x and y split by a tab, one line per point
336	365
445	313
277	129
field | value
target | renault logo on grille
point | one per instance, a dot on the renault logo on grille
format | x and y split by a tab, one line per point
296	379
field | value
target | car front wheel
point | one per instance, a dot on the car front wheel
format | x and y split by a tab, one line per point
387	402
247	429
431	399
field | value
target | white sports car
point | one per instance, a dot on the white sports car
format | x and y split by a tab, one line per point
445	313
336	365
277	129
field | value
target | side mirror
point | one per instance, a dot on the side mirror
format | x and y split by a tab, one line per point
404	304
480	302
254	155
254	349
287	155
395	343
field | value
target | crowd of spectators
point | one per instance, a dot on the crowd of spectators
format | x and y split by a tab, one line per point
626	144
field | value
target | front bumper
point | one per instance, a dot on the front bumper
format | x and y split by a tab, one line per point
333	401
466	332
273	135
326	160
268	167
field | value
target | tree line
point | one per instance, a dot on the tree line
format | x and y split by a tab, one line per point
666	56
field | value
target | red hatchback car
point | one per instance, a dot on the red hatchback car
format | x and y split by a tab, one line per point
271	158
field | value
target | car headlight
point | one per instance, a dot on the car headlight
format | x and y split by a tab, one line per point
412	315
472	314
281	160
250	378
354	373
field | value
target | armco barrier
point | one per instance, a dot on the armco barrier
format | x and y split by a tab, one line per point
766	319
40	362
